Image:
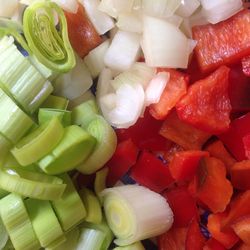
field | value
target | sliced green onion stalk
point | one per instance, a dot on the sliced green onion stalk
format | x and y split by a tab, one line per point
38	143
44	221
75	146
135	246
92	205
100	181
135	213
85	113
31	184
3	235
69	208
5	146
105	146
55	102
17	223
46	114
14	123
51	47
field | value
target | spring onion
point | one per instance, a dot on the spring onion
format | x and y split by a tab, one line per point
104	149
31	184
17	223
75	146
55	102
133	219
44	221
51	47
135	246
92	205
188	7
69	208
100	180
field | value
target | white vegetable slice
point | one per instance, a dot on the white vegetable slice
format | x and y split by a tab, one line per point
130	22
175	20
123	51
187	7
8	8
163	44
107	6
68	5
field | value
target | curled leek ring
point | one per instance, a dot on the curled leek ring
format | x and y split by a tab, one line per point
51	47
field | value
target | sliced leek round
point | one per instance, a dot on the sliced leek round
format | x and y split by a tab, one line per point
3	235
100	180
55	102
5	146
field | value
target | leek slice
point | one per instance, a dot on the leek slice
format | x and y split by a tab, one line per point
77	101
132	218
3	235
14	123
46	114
75	147
17	223
69	209
55	102
31	184
5	146
38	143
56	243
44	221
3	193
104	149
9	246
100	180
51	47
136	246
92	205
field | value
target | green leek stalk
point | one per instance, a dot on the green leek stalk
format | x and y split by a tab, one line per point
69	208
100	181
5	146
75	146
132	218
83	98
105	146
135	246
3	235
17	223
56	243
55	102
51	47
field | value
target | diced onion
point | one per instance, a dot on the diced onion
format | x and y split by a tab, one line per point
123	51
8	8
187	7
175	20
163	44
130	22
107	6
68	5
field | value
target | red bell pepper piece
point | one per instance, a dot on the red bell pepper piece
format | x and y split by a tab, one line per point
123	159
240	175
175	89
223	43
243	247
182	204
182	133
169	154
174	239
214	189
213	244
82	34
246	143
245	61
217	150
184	164
233	138
242	228
206	105
195	240
227	238
151	172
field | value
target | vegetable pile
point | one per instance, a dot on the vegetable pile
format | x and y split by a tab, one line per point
124	125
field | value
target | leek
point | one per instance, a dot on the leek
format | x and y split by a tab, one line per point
3	235
51	47
55	102
77	101
3	193
104	149
132	218
9	246
75	147
44	221
17	223
31	184
69	209
136	246
5	146
92	205
100	180
58	242
38	143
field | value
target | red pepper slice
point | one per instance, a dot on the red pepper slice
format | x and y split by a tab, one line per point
195	240
123	159
82	34
213	244
246	65
175	89
240	175
243	247
169	154
151	172
214	189
182	204
223	43
182	133
206	105
242	228
184	164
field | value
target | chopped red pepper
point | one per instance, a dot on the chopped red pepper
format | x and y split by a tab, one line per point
242	228
169	154
184	164
223	43
240	175
214	189
195	240
227	238
213	244
243	247
82	34
174	90
217	150
151	172
123	159
246	65
246	143
182	133
206	105
182	204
